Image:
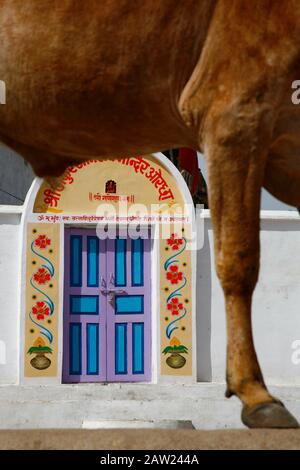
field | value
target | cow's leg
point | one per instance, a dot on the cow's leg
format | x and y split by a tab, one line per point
231	102
236	153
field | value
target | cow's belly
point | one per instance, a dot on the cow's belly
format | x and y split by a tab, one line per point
85	80
282	173
111	133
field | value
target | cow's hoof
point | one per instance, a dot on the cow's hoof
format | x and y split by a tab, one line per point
268	415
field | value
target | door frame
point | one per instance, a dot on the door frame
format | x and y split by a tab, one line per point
86	319
153	300
49	217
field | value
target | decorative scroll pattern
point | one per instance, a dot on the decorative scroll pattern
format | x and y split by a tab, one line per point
174	303
43	275
41	300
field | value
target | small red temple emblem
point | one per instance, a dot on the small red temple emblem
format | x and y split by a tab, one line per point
110	186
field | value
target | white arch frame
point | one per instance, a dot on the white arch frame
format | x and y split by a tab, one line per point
28	216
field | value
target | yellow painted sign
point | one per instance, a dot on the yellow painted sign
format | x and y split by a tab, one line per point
121	182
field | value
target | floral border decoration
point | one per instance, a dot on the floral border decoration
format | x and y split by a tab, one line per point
44	305
173	301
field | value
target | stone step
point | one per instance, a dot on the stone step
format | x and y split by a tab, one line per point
127	391
68	406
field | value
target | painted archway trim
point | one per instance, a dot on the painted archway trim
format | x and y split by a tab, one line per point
161	158
174	276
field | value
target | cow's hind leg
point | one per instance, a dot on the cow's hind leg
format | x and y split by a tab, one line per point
236	152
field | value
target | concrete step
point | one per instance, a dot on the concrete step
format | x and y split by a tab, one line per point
70	406
128	391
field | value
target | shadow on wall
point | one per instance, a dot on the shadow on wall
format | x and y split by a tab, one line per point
16	177
203	310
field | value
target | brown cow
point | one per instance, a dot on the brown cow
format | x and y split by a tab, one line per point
94	78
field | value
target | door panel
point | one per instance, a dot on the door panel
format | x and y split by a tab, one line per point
92	261
120	263
75	349
121	363
75	260
129	304
138	359
128	310
137	262
84	307
92	348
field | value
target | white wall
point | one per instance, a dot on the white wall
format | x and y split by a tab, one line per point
276	312
268	202
276	305
9	295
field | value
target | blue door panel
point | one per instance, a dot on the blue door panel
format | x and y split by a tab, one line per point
121	348
138	348
92	355
75	349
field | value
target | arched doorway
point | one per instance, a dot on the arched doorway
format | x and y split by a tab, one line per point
109	275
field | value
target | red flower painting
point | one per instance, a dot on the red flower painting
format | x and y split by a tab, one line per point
174	241
42	241
174	275
42	276
40	310
175	306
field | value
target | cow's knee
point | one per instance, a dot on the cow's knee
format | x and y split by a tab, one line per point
238	271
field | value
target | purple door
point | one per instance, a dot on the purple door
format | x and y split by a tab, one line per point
128	310
107	311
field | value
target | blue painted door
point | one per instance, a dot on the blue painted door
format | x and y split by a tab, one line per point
129	310
84	354
107	311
